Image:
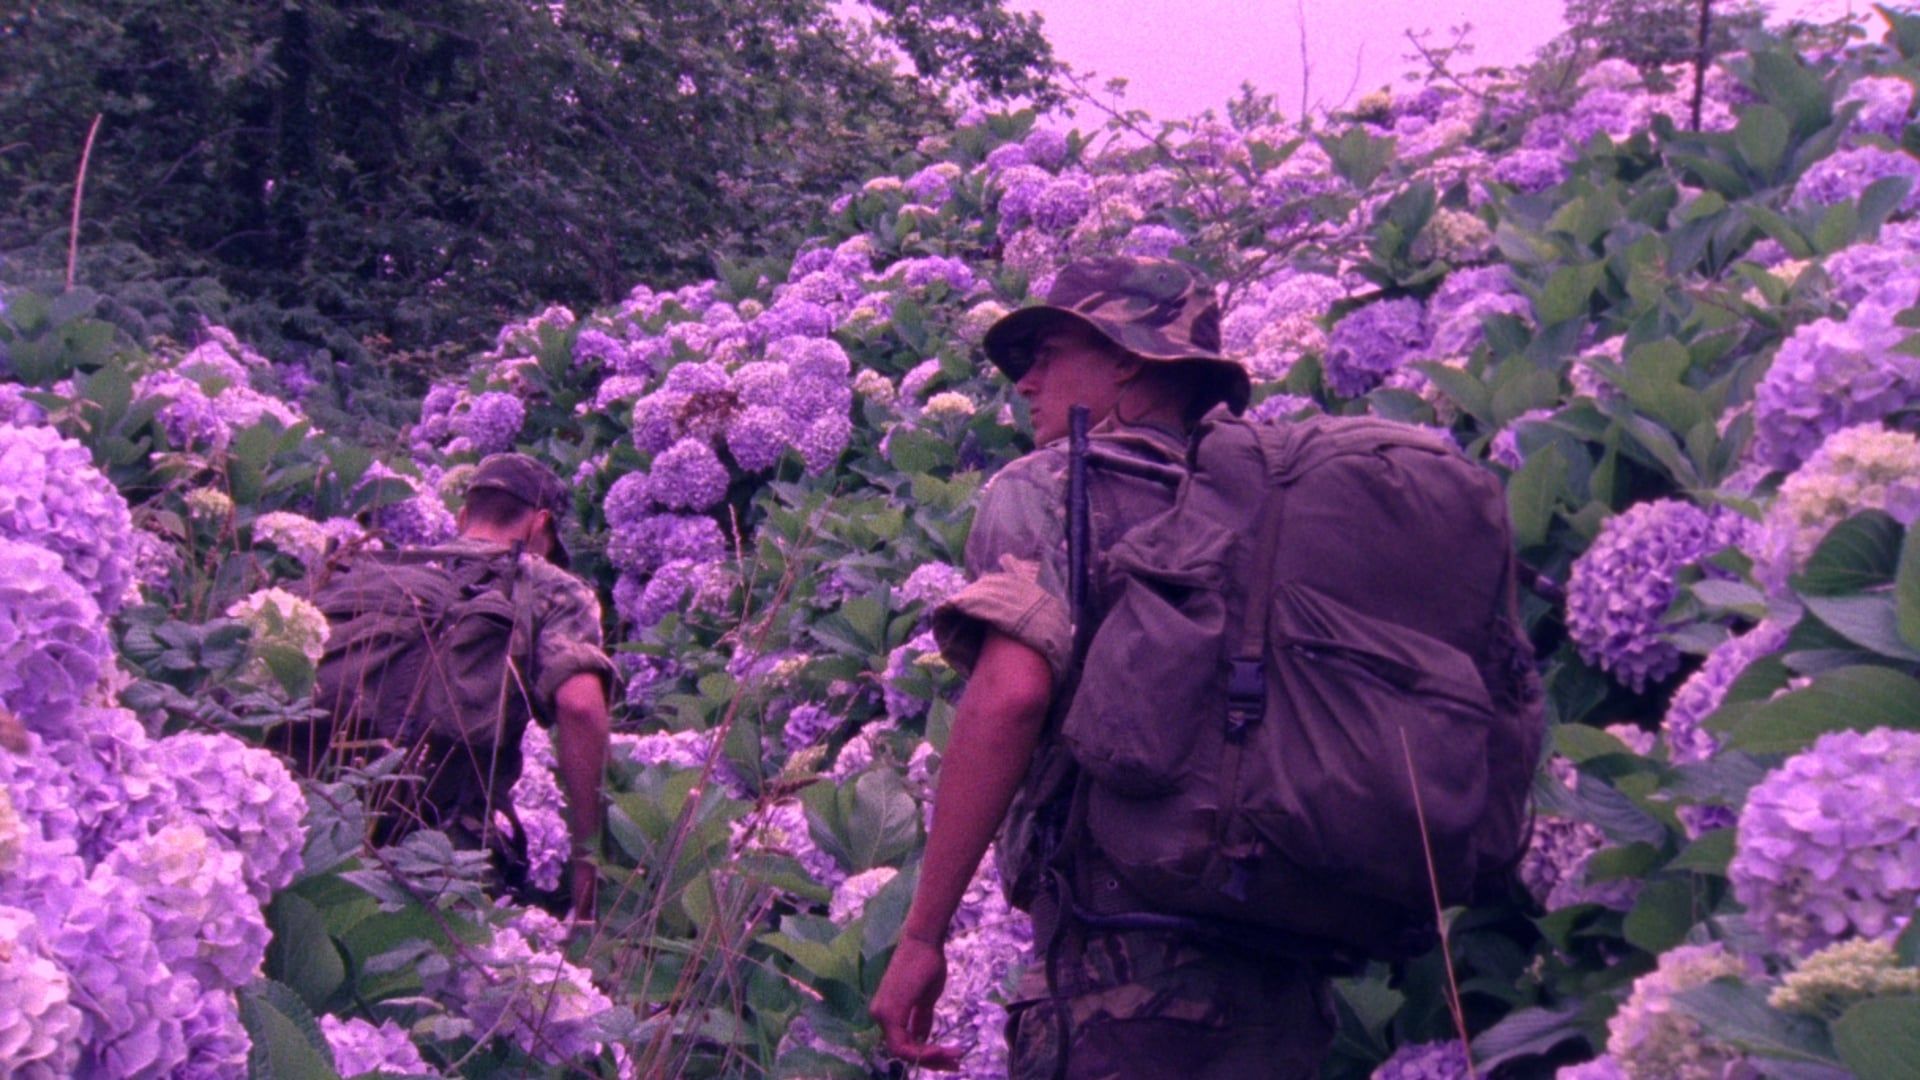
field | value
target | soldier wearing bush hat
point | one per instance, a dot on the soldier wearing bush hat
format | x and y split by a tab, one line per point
1137	342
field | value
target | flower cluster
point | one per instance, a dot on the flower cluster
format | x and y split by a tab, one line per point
1830	375
1650	1037
1373	342
1833	979
537	802
1704	691
1620	588
54	647
244	796
491	422
1442	1060
361	1047
278	619
1845	176
521	986
1829	843
51	496
1855	469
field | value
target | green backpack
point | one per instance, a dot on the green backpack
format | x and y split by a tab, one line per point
421	656
1308	705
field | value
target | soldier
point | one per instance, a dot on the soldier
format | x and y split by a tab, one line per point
448	651
1137	343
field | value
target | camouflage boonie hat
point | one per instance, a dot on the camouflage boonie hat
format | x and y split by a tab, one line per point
532	483
1152	308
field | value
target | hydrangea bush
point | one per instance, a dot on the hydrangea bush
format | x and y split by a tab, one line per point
1686	353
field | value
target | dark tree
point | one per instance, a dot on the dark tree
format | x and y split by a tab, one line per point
417	172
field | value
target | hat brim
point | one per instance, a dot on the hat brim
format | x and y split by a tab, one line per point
1009	345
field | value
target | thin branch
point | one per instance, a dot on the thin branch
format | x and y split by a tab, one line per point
79	191
1306	66
1439	914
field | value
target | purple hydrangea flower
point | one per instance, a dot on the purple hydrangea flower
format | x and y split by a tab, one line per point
492	421
1281	407
206	924
627	500
850	898
16	410
1884	104
931	584
1046	147
782	827
758	435
763	382
1372	342
189	418
1704	691
1620	588
1829	843
134	1006
806	725
1864	467
54	647
1843	176
1604	1067
657	539
1019	187
538	804
522	986
421	521
923	272
1008	156
1530	171
1505	450
823	441
792	318
361	1047
1649	1036
1151	241
51	496
39	1022
902	704
1442	1060
1061	204
1830	375
596	344
932	185
1457	307
244	797
687	476
656	420
217	1042
698	377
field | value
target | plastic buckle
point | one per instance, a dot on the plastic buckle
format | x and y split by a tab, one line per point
1246	695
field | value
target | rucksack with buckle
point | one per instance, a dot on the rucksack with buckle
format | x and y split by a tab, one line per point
1309	704
421	657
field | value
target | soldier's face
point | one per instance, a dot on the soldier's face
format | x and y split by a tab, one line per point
1072	366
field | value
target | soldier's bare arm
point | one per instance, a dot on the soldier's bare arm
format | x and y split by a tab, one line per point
580	750
995	730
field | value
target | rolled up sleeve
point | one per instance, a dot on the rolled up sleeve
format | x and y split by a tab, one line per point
569	643
1016	563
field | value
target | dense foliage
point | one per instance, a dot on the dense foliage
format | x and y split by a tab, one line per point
1687	354
340	173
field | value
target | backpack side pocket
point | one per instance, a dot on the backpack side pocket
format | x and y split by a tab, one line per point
1152	676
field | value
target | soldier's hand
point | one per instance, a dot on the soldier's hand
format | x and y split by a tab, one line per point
584	877
903	1005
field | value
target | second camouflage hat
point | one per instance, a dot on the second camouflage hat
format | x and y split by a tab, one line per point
1152	308
532	483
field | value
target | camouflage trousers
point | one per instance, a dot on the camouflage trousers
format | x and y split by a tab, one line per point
1153	1004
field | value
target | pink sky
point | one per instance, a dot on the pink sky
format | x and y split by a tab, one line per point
1181	56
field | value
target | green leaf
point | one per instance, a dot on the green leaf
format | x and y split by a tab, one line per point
1906	593
1906	947
1534	493
302	954
914	451
1847	699
1738	1014
1879	1039
1762	138
287	1043
1796	91
1882	198
1838	228
1710	854
1358	157
1526	1033
1462	387
1662	915
1583	742
1568	291
1862	552
1903	30
1867	621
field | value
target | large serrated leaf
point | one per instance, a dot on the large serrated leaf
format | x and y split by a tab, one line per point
1860	553
1879	1039
1906	592
1848	699
302	954
1662	915
1738	1014
287	1043
1527	1033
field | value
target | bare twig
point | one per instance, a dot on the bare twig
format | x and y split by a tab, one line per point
1306	66
1700	60
1439	65
79	190
1439	913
